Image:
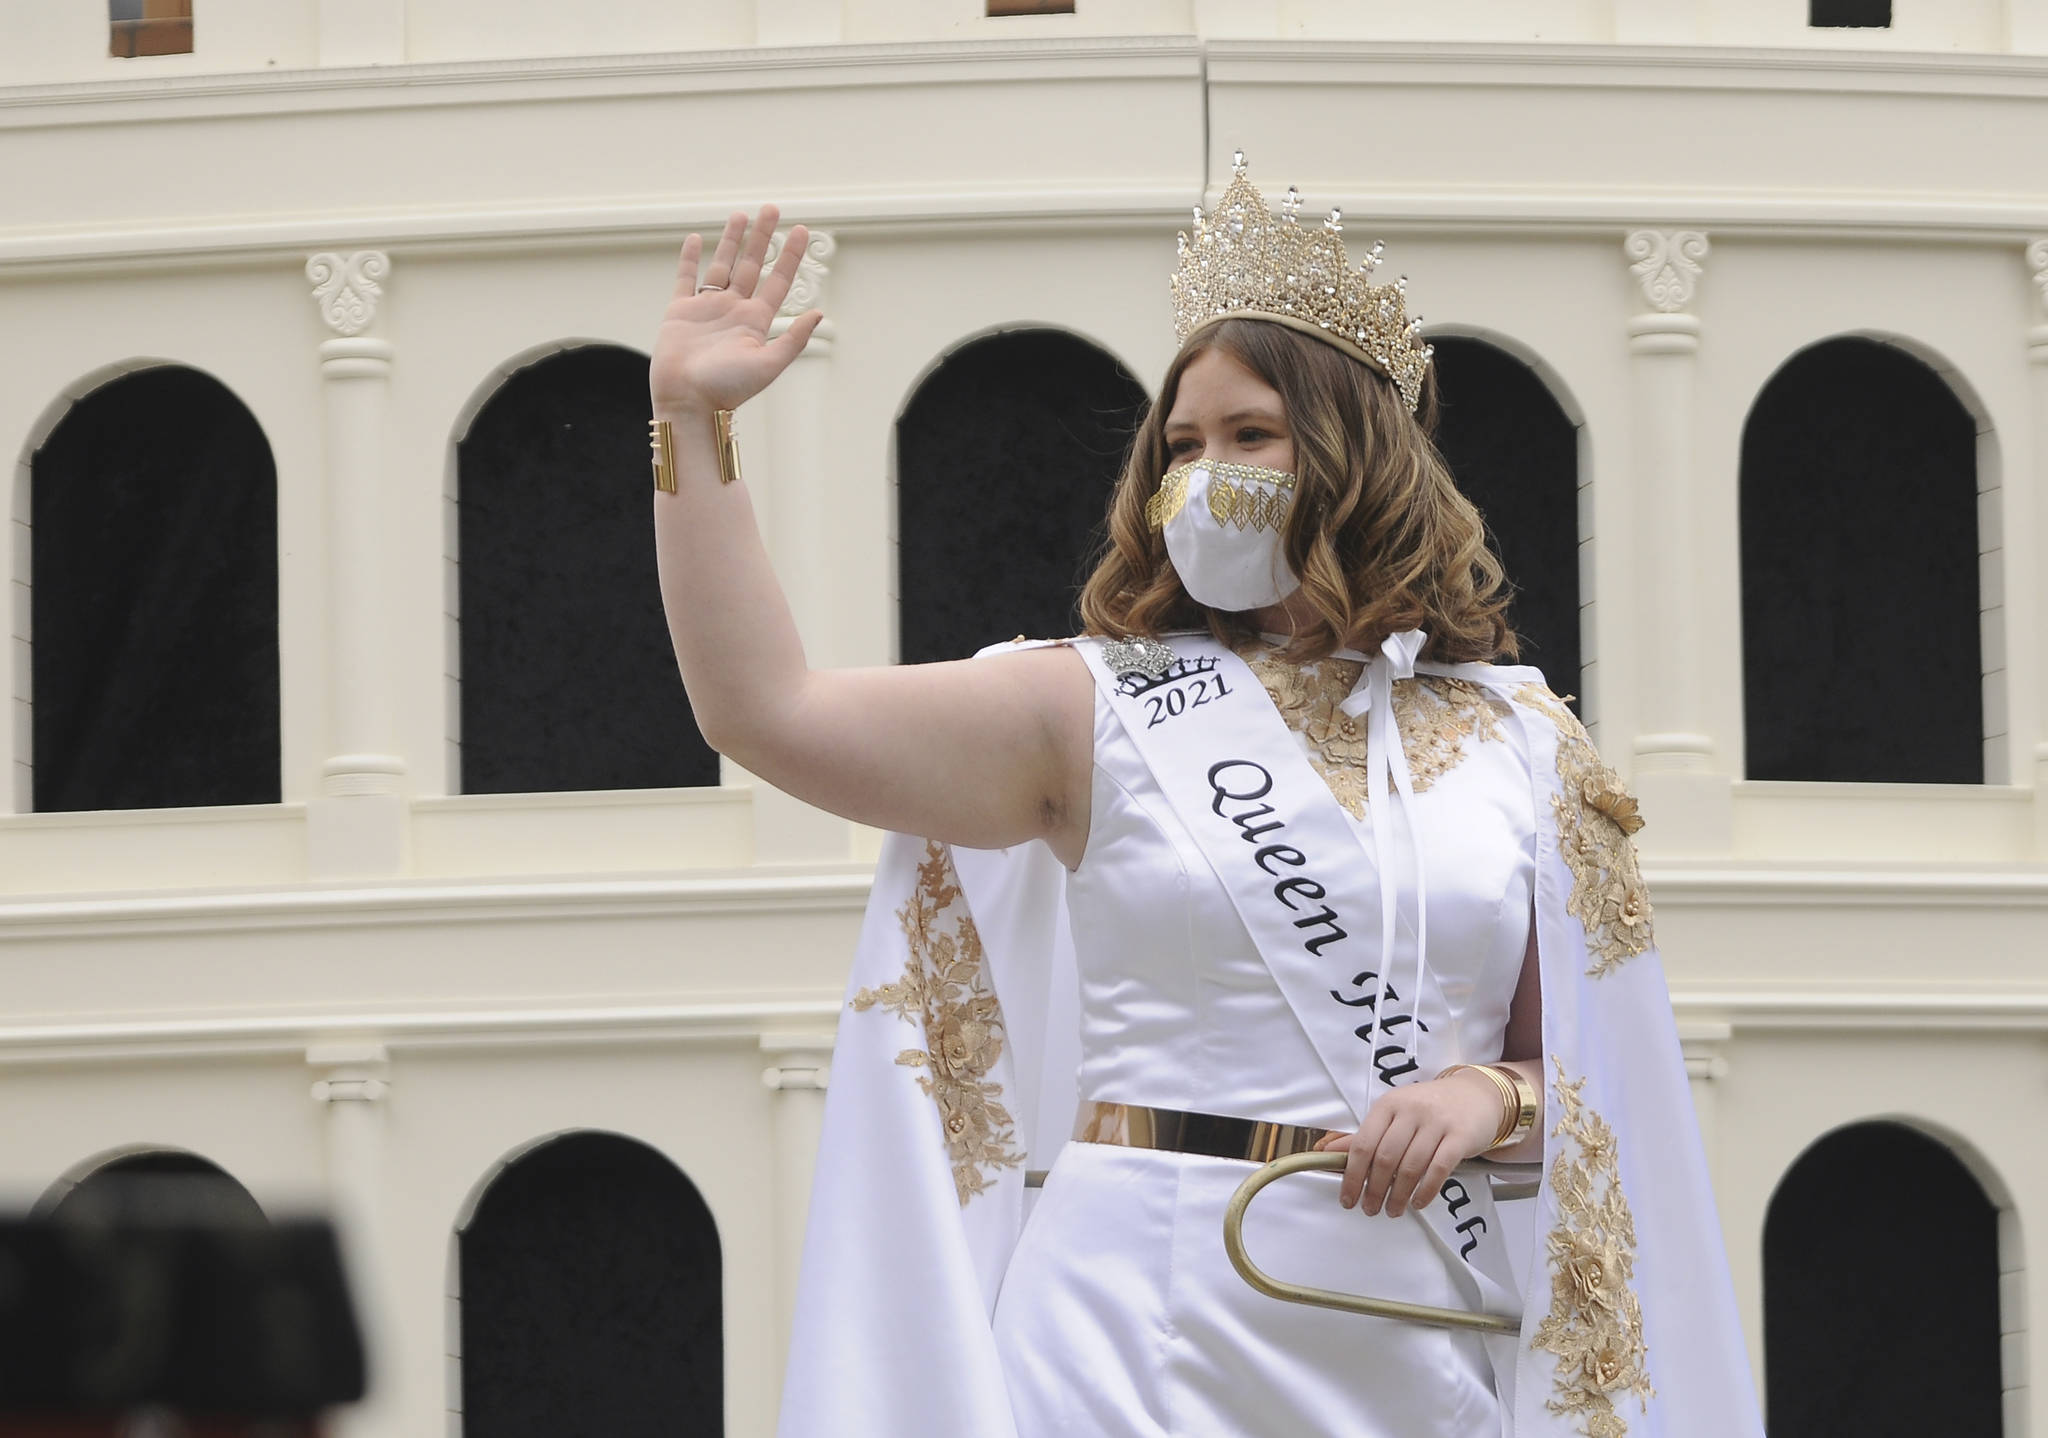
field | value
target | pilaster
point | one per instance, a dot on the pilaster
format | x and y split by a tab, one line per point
789	460
800	1068
1679	773
2037	405
352	1086
1703	1042
357	825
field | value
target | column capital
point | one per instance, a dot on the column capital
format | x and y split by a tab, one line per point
357	357
1666	263
1701	1040
804	1061
362	774
2037	336
347	287
807	291
357	1071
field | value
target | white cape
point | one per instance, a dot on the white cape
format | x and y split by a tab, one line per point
955	1071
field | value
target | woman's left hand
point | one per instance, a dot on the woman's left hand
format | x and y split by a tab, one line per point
1412	1137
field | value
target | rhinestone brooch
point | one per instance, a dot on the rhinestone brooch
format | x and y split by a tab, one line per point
1143	656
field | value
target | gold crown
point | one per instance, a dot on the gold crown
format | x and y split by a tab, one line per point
1244	261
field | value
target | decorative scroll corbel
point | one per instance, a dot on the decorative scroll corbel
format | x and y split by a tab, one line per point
807	291
1667	265
347	287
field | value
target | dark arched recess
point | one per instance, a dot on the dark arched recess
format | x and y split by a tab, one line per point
160	1185
591	1306
1005	459
1861	654
1881	1292
568	677
1515	454
153	594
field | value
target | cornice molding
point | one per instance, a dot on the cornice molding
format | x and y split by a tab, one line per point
611	225
1774	886
85	102
1632	67
436	903
1703	1016
1993	220
844	890
1931	1011
1302	62
419	1031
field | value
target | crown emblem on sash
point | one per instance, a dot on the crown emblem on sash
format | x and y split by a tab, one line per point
1138	655
1142	665
1244	261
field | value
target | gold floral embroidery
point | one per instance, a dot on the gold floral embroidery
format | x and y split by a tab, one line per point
1595	1323
1436	715
1595	816
945	988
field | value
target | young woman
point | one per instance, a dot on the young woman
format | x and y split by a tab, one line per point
1313	851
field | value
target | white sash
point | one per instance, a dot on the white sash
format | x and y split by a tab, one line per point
1306	886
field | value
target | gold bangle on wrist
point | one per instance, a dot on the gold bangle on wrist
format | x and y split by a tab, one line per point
1509	1108
661	440
728	448
1523	1095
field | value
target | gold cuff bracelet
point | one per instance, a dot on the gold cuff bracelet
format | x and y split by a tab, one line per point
728	448
661	440
1518	1102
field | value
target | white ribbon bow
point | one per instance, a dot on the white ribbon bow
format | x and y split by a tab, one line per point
1373	695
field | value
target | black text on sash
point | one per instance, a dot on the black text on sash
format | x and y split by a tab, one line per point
1244	784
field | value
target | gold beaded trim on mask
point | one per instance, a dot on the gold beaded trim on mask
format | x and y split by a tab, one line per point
1232	498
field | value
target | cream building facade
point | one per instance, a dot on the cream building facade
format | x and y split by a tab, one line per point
361	215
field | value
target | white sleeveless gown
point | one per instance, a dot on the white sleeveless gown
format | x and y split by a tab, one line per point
1119	1314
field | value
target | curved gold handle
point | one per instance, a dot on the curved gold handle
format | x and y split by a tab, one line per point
1233	1244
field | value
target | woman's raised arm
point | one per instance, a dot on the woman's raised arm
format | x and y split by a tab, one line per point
985	752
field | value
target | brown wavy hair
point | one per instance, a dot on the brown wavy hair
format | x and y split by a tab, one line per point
1381	537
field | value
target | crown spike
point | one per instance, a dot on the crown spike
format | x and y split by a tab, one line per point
1245	260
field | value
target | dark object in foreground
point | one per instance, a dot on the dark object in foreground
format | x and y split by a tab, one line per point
147	1314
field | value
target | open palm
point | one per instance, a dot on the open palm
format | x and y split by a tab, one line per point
713	349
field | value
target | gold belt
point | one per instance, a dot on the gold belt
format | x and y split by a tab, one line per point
1136	1126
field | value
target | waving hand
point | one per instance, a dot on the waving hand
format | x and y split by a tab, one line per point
713	349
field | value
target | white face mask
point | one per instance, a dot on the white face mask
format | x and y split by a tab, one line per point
1223	526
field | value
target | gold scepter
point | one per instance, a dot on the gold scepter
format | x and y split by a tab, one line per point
1264	1282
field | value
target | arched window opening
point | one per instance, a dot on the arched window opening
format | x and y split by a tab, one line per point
1515	455
153	673
1861	630
1005	459
156	1185
1881	1272
567	677
589	1280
